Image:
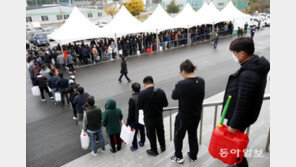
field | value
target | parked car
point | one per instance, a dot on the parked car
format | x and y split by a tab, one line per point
38	38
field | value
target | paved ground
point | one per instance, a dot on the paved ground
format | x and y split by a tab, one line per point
53	138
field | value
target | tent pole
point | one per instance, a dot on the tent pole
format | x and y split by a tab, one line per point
157	49
188	37
116	46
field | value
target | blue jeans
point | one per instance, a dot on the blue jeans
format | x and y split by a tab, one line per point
92	136
53	91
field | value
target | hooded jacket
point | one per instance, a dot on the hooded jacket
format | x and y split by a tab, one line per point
112	117
247	87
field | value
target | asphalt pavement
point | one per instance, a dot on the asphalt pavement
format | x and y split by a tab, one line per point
52	135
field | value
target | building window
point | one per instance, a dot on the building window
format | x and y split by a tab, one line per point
44	18
59	17
28	19
221	4
66	16
99	14
89	15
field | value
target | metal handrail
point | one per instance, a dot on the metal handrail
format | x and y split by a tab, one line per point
216	104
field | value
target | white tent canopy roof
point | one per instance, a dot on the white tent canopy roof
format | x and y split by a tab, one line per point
159	20
122	24
230	13
207	14
77	27
185	17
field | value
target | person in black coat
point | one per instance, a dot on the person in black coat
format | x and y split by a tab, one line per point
79	102
246	86
73	93
41	82
190	93
123	70
133	117
151	101
62	85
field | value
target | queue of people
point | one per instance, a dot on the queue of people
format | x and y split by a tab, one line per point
246	86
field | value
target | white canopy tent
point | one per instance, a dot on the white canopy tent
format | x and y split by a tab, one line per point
122	24
77	27
158	21
230	13
185	18
207	14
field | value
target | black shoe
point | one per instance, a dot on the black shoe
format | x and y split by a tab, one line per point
119	81
190	159
129	81
112	150
152	153
141	144
118	149
162	149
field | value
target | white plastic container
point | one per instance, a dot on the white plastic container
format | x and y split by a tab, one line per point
36	91
84	139
58	96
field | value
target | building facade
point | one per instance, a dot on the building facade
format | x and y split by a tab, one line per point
58	14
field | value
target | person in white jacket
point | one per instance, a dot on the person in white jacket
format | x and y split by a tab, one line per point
110	52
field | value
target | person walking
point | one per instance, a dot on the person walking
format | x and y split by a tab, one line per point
253	32
92	124
41	82
190	93
79	101
52	84
133	117
123	70
246	28
151	101
246	86
112	118
62	85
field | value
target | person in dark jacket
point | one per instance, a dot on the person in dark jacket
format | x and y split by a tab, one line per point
92	124
79	101
190	92
246	86
52	84
246	28
62	85
73	93
216	39
112	118
133	117
41	82
253	29
151	101
123	70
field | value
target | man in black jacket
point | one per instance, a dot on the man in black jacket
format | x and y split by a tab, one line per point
52	84
190	92
133	117
79	101
123	70
152	100
62	85
41	82
246	86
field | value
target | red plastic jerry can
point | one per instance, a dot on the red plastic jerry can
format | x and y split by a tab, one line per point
225	146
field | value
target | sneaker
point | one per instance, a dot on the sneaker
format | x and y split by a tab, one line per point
152	153
129	81
190	159
74	118
133	148
112	150
141	144
42	99
178	160
102	151
51	98
94	154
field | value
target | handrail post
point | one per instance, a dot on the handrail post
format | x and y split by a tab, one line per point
200	131
171	136
215	116
268	142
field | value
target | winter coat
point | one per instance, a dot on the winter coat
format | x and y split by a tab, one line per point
112	117
133	111
41	81
45	73
61	59
52	81
123	67
79	101
70	59
246	86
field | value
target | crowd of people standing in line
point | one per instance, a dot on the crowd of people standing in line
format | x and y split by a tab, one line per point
249	79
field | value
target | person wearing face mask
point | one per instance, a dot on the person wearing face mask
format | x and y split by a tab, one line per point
246	86
190	92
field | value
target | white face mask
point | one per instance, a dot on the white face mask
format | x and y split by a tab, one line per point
235	58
